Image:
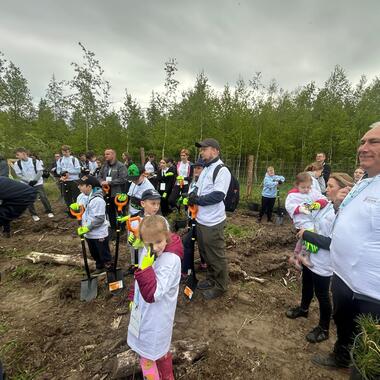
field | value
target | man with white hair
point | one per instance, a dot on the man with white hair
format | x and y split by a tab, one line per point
355	252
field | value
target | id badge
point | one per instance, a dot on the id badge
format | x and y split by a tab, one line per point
162	186
108	179
135	321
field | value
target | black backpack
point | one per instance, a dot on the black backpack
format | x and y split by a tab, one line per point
232	198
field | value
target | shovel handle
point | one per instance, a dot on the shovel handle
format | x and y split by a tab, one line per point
106	188
134	230
193	211
119	204
78	214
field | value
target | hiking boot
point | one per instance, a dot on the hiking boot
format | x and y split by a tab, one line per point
36	218
99	271
317	335
205	284
296	312
50	215
210	294
330	361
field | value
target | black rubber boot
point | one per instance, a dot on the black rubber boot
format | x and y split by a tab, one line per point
296	312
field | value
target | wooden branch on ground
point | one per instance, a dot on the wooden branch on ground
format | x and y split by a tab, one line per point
185	352
54	258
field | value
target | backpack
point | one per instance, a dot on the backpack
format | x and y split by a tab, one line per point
232	198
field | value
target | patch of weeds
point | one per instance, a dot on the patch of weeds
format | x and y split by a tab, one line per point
239	232
3	328
28	274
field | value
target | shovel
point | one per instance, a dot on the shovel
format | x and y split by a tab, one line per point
191	281
115	276
133	225
106	189
89	286
280	211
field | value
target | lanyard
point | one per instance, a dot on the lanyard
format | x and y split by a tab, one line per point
356	190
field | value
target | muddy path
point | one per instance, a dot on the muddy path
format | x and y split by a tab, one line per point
47	333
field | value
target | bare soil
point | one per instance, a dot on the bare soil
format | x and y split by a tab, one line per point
46	332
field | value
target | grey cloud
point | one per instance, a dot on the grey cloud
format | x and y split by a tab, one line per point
293	41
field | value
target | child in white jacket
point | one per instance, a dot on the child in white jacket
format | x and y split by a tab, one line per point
155	299
302	204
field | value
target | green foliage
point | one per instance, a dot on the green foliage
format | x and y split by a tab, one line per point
366	349
248	118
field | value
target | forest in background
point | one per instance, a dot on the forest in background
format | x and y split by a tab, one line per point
249	117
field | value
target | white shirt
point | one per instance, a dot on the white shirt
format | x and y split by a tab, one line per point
149	168
323	224
213	214
70	165
137	191
157	318
28	172
355	245
183	170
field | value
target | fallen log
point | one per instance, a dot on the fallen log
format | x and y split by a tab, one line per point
185	352
54	258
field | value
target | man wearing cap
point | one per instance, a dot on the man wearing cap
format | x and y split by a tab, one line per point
113	179
209	195
136	174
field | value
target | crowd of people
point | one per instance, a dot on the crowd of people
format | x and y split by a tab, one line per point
337	219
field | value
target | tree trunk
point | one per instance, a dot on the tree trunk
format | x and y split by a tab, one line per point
54	258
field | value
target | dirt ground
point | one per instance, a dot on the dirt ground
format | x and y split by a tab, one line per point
46	332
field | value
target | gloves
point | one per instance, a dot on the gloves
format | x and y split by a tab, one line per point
32	183
164	195
75	206
130	306
136	243
310	247
185	201
83	230
315	206
123	219
193	199
147	260
122	197
304	210
180	178
169	174
280	182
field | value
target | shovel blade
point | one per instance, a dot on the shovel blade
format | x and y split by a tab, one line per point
88	289
279	220
115	280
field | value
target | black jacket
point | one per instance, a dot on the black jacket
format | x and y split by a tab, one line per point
15	197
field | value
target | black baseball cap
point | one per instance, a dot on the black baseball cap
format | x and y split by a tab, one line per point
150	194
199	162
208	142
134	171
89	180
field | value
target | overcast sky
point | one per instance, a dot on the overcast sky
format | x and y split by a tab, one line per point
294	42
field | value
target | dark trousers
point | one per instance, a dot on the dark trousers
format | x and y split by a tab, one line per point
314	284
347	307
267	205
70	192
175	194
44	199
212	248
112	212
100	251
188	253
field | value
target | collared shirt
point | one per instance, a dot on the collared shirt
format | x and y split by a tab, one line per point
355	245
213	214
